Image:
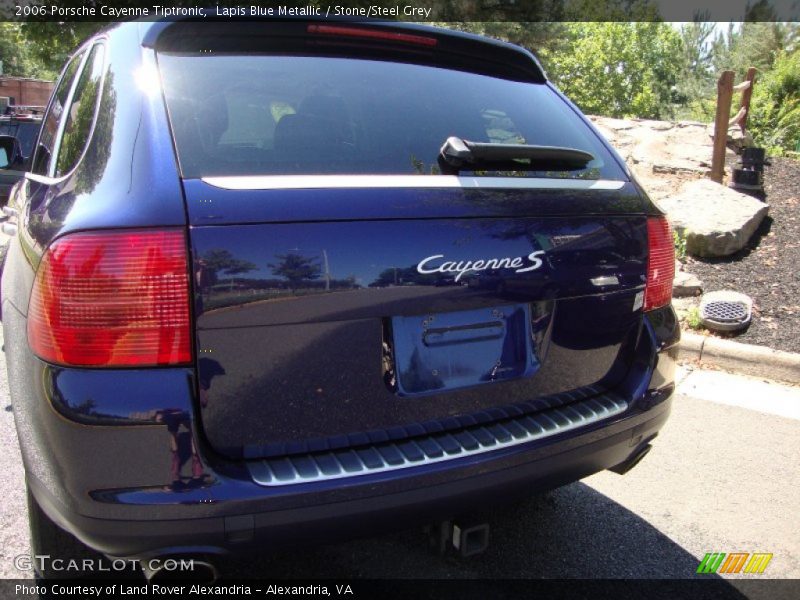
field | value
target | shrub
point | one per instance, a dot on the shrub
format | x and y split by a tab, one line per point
693	320
680	245
619	69
774	117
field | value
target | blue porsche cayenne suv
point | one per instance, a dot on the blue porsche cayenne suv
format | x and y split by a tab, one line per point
277	282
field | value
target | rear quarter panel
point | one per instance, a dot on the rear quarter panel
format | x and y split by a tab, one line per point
132	182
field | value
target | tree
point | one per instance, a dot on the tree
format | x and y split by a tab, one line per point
404	275
697	77
16	54
620	69
93	166
50	44
219	260
239	267
296	268
538	37
754	45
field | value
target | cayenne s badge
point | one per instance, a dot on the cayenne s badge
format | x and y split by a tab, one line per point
465	266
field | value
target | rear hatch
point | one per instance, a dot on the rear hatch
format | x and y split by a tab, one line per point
345	289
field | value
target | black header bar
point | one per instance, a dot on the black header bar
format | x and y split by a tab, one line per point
407	10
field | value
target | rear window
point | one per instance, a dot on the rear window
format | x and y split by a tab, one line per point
42	160
80	116
26	135
24	131
266	115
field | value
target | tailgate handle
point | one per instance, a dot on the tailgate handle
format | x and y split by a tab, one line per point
457	334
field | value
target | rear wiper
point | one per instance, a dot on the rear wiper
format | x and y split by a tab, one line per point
457	154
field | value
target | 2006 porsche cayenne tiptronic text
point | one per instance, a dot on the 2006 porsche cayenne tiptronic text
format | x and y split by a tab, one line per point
276	282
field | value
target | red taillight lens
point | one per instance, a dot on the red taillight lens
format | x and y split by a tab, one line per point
660	263
112	299
374	34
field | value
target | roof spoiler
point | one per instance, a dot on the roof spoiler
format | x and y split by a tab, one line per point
456	49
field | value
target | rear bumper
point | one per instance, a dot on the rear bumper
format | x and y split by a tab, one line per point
130	476
379	510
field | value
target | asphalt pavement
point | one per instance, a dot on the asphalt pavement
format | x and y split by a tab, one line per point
723	476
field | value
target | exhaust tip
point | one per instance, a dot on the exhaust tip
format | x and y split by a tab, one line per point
173	569
631	462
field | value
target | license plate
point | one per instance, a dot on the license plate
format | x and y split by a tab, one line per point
448	351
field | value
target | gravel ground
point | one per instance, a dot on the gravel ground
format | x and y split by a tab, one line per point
768	268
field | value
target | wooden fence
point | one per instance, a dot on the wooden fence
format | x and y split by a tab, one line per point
725	90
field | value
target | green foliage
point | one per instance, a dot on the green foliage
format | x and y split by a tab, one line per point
775	106
97	153
753	45
693	318
74	137
50	44
696	84
15	52
680	245
619	69
539	37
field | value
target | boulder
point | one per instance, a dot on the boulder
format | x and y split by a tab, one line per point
685	285
736	140
657	152
714	219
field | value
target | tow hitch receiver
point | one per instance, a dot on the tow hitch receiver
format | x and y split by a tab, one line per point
466	538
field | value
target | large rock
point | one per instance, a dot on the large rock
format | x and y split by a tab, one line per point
685	285
716	220
737	139
662	147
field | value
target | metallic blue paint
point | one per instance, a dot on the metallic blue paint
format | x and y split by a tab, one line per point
143	462
256	334
209	205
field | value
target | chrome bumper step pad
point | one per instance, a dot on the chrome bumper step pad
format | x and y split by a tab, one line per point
428	449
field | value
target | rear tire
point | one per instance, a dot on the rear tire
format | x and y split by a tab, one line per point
48	539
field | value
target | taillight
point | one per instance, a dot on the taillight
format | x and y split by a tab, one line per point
115	298
374	34
660	263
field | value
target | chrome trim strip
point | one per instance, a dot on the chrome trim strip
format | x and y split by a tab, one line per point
283	470
309	182
43	179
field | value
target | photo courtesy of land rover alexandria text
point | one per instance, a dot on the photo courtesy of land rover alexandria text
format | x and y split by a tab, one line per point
280	282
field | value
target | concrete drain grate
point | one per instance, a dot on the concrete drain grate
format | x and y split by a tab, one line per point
726	310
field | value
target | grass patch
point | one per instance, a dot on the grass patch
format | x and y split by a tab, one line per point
693	318
680	246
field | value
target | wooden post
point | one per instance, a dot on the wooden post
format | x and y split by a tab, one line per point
724	96
751	77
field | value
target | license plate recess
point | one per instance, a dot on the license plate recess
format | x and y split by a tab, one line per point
453	350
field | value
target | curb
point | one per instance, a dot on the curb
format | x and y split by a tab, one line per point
747	359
